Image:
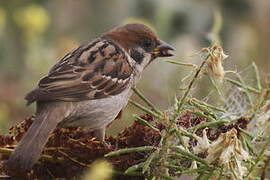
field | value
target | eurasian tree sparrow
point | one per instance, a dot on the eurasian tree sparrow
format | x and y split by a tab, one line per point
88	87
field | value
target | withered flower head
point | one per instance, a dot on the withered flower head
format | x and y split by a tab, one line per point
214	64
202	143
228	151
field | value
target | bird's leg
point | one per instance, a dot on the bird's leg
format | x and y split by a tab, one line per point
100	135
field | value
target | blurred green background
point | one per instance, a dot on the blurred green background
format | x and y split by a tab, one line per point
35	34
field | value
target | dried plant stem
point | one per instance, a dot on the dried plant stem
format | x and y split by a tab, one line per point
144	109
259	158
246	133
249	146
208	105
73	159
192	171
209	124
264	169
130	150
6	151
182	132
181	63
136	91
166	177
55	148
217	88
203	115
127	174
260	101
210	114
175	167
257	76
195	77
168	135
162	154
135	167
79	142
243	86
233	169
248	96
44	157
148	161
189	155
144	122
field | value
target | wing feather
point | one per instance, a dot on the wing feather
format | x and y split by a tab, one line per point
97	70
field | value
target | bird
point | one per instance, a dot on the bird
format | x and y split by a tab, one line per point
88	87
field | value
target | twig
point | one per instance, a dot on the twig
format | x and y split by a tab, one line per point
260	101
136	91
257	76
144	109
264	169
208	105
79	142
259	158
165	144
127	174
73	159
249	146
246	132
243	86
6	151
204	109
181	63
192	171
189	155
246	92
209	124
233	169
217	88
167	177
220	174
134	168
175	167
182	132
44	157
148	161
55	148
201	114
144	122
130	150
195	77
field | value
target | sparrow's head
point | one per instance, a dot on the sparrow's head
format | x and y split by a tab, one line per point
140	42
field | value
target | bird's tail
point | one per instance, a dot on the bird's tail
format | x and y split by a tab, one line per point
31	145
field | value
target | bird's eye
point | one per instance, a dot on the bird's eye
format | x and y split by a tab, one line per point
147	43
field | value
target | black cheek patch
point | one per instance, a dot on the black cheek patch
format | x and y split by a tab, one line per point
137	56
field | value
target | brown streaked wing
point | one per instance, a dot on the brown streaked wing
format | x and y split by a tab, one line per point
95	71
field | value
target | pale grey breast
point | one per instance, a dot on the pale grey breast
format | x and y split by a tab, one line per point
95	114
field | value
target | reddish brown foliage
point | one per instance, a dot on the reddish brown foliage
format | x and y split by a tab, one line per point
77	148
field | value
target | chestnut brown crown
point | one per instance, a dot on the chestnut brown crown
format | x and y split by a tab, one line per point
135	35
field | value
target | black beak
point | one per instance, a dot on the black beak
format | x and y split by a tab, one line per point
163	50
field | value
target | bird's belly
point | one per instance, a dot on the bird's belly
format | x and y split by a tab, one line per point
95	114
